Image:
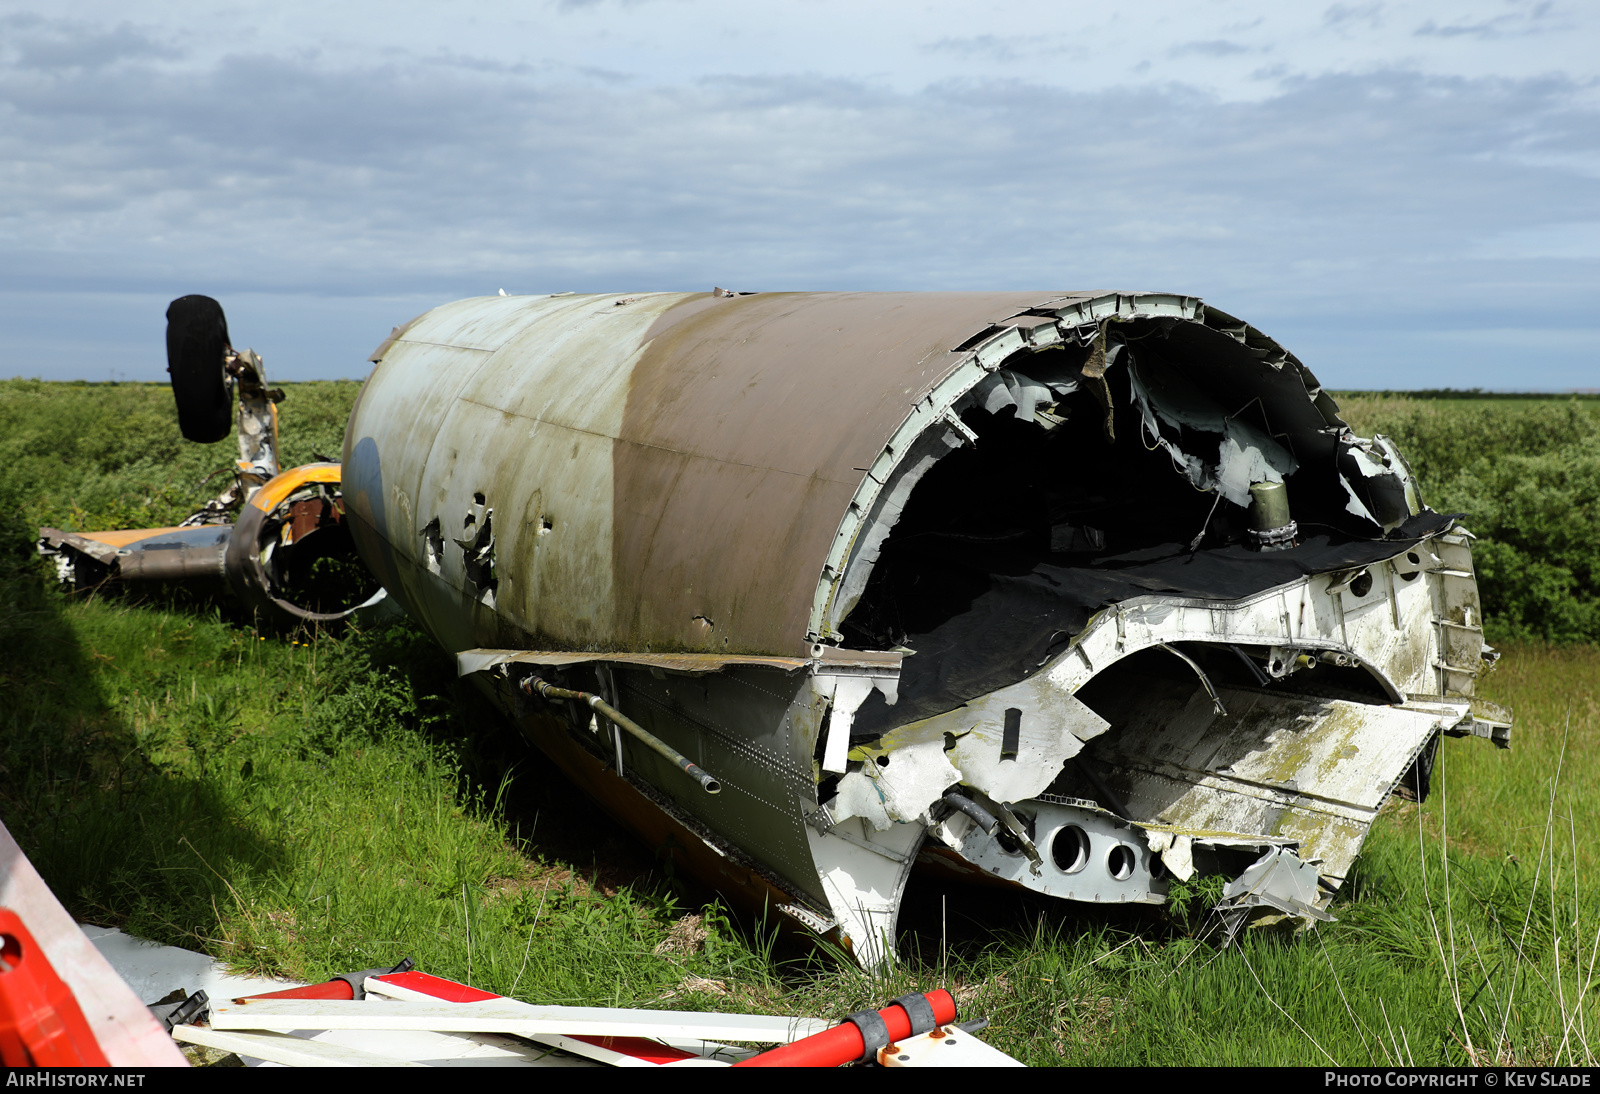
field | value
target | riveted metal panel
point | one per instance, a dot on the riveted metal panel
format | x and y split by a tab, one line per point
750	424
502	408
665	471
754	730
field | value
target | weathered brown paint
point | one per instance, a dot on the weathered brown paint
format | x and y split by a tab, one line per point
750	423
681	478
694	455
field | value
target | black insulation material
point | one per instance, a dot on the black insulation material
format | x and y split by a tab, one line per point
1024	616
1008	548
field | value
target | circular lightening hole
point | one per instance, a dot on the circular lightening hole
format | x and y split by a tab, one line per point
1069	849
1362	585
1120	862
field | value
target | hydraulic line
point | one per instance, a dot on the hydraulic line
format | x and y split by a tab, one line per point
533	685
980	816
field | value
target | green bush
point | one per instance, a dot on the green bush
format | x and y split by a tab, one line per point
1526	477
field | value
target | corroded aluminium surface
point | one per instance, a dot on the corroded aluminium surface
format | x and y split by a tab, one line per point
773	407
640	432
547	378
681	502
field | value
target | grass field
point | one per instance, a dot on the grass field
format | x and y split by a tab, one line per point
305	807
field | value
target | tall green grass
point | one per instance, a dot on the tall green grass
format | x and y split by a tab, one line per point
302	809
85	457
306	808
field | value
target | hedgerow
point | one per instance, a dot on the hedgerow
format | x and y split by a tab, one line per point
1526	479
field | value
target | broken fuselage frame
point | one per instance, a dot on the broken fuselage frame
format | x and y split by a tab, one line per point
976	580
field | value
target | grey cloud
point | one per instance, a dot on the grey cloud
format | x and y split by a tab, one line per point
1498	27
1008	48
1216	47
59	45
1355	197
989	46
448	59
1339	16
568	6
611	76
1536	19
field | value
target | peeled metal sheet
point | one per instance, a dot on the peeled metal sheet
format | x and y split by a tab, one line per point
95	547
1302	768
830	662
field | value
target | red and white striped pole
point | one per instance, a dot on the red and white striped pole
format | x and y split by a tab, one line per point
846	1043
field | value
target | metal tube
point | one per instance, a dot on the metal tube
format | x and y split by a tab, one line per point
1020	833
845	1044
980	816
172	562
683	763
1205	681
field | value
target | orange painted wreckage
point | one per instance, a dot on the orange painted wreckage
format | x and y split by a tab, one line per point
275	539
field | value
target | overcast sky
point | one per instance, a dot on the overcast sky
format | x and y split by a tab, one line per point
1404	194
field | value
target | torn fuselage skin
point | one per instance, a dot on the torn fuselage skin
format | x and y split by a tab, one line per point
1096	593
1041	575
1077	517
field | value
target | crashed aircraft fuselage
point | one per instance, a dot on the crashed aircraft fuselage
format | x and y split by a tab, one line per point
1076	592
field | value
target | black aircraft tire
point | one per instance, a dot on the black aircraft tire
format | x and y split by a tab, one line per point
197	341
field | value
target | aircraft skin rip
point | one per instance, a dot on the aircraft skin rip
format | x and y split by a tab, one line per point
1141	603
1071	591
